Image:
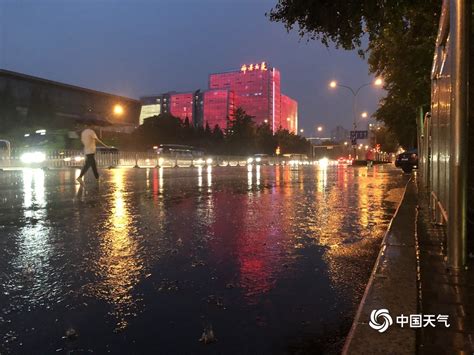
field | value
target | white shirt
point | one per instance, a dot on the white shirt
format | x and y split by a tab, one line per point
88	138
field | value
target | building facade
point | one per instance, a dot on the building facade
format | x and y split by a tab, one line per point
218	108
289	114
255	88
69	102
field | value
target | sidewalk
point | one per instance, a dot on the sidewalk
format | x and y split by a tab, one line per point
410	277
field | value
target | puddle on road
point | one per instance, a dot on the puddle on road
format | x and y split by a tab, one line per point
272	259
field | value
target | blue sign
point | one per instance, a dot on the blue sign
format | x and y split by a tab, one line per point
355	135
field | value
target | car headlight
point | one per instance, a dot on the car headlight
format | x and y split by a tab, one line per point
249	160
208	161
258	160
33	157
323	162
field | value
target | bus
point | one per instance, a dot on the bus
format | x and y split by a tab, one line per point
179	151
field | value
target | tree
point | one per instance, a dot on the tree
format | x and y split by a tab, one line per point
387	140
401	36
291	143
266	141
161	129
241	135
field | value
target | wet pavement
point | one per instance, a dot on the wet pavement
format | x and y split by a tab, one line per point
273	260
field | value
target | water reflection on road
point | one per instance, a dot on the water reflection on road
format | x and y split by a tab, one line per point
275	259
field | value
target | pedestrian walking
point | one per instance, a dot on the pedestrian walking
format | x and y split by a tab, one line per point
88	139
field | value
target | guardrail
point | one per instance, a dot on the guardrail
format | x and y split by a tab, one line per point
75	158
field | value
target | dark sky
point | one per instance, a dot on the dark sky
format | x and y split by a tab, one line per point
136	48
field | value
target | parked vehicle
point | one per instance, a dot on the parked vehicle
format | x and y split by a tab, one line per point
179	151
407	161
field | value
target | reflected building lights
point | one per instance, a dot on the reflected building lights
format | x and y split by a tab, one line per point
147	178
119	266
160	180
209	177
34	247
199	176
322	179
257	175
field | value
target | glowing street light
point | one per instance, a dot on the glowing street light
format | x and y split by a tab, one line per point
301	130
333	84
364	114
320	128
118	110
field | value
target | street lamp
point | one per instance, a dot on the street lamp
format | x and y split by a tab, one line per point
320	128
333	84
364	115
118	110
301	130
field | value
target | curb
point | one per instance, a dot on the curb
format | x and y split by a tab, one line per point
392	285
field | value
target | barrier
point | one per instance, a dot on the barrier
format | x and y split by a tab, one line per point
111	159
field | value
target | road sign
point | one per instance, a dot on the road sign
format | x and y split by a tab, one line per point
359	135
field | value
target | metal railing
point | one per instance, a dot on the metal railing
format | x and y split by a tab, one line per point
75	158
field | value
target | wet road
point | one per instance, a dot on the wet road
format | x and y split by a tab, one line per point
274	260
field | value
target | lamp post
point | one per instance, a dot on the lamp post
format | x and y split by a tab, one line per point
333	84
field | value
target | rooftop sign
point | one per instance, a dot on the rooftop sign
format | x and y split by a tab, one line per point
251	67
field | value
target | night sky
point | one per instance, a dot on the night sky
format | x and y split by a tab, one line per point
136	48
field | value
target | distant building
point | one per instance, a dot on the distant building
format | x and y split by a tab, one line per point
254	87
179	104
219	107
289	114
257	89
340	134
70	102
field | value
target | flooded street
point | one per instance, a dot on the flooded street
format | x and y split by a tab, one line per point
273	260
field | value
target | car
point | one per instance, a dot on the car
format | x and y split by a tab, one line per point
344	161
407	161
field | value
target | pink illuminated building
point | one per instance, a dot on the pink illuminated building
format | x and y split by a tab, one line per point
257	90
218	107
289	114
254	87
181	106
